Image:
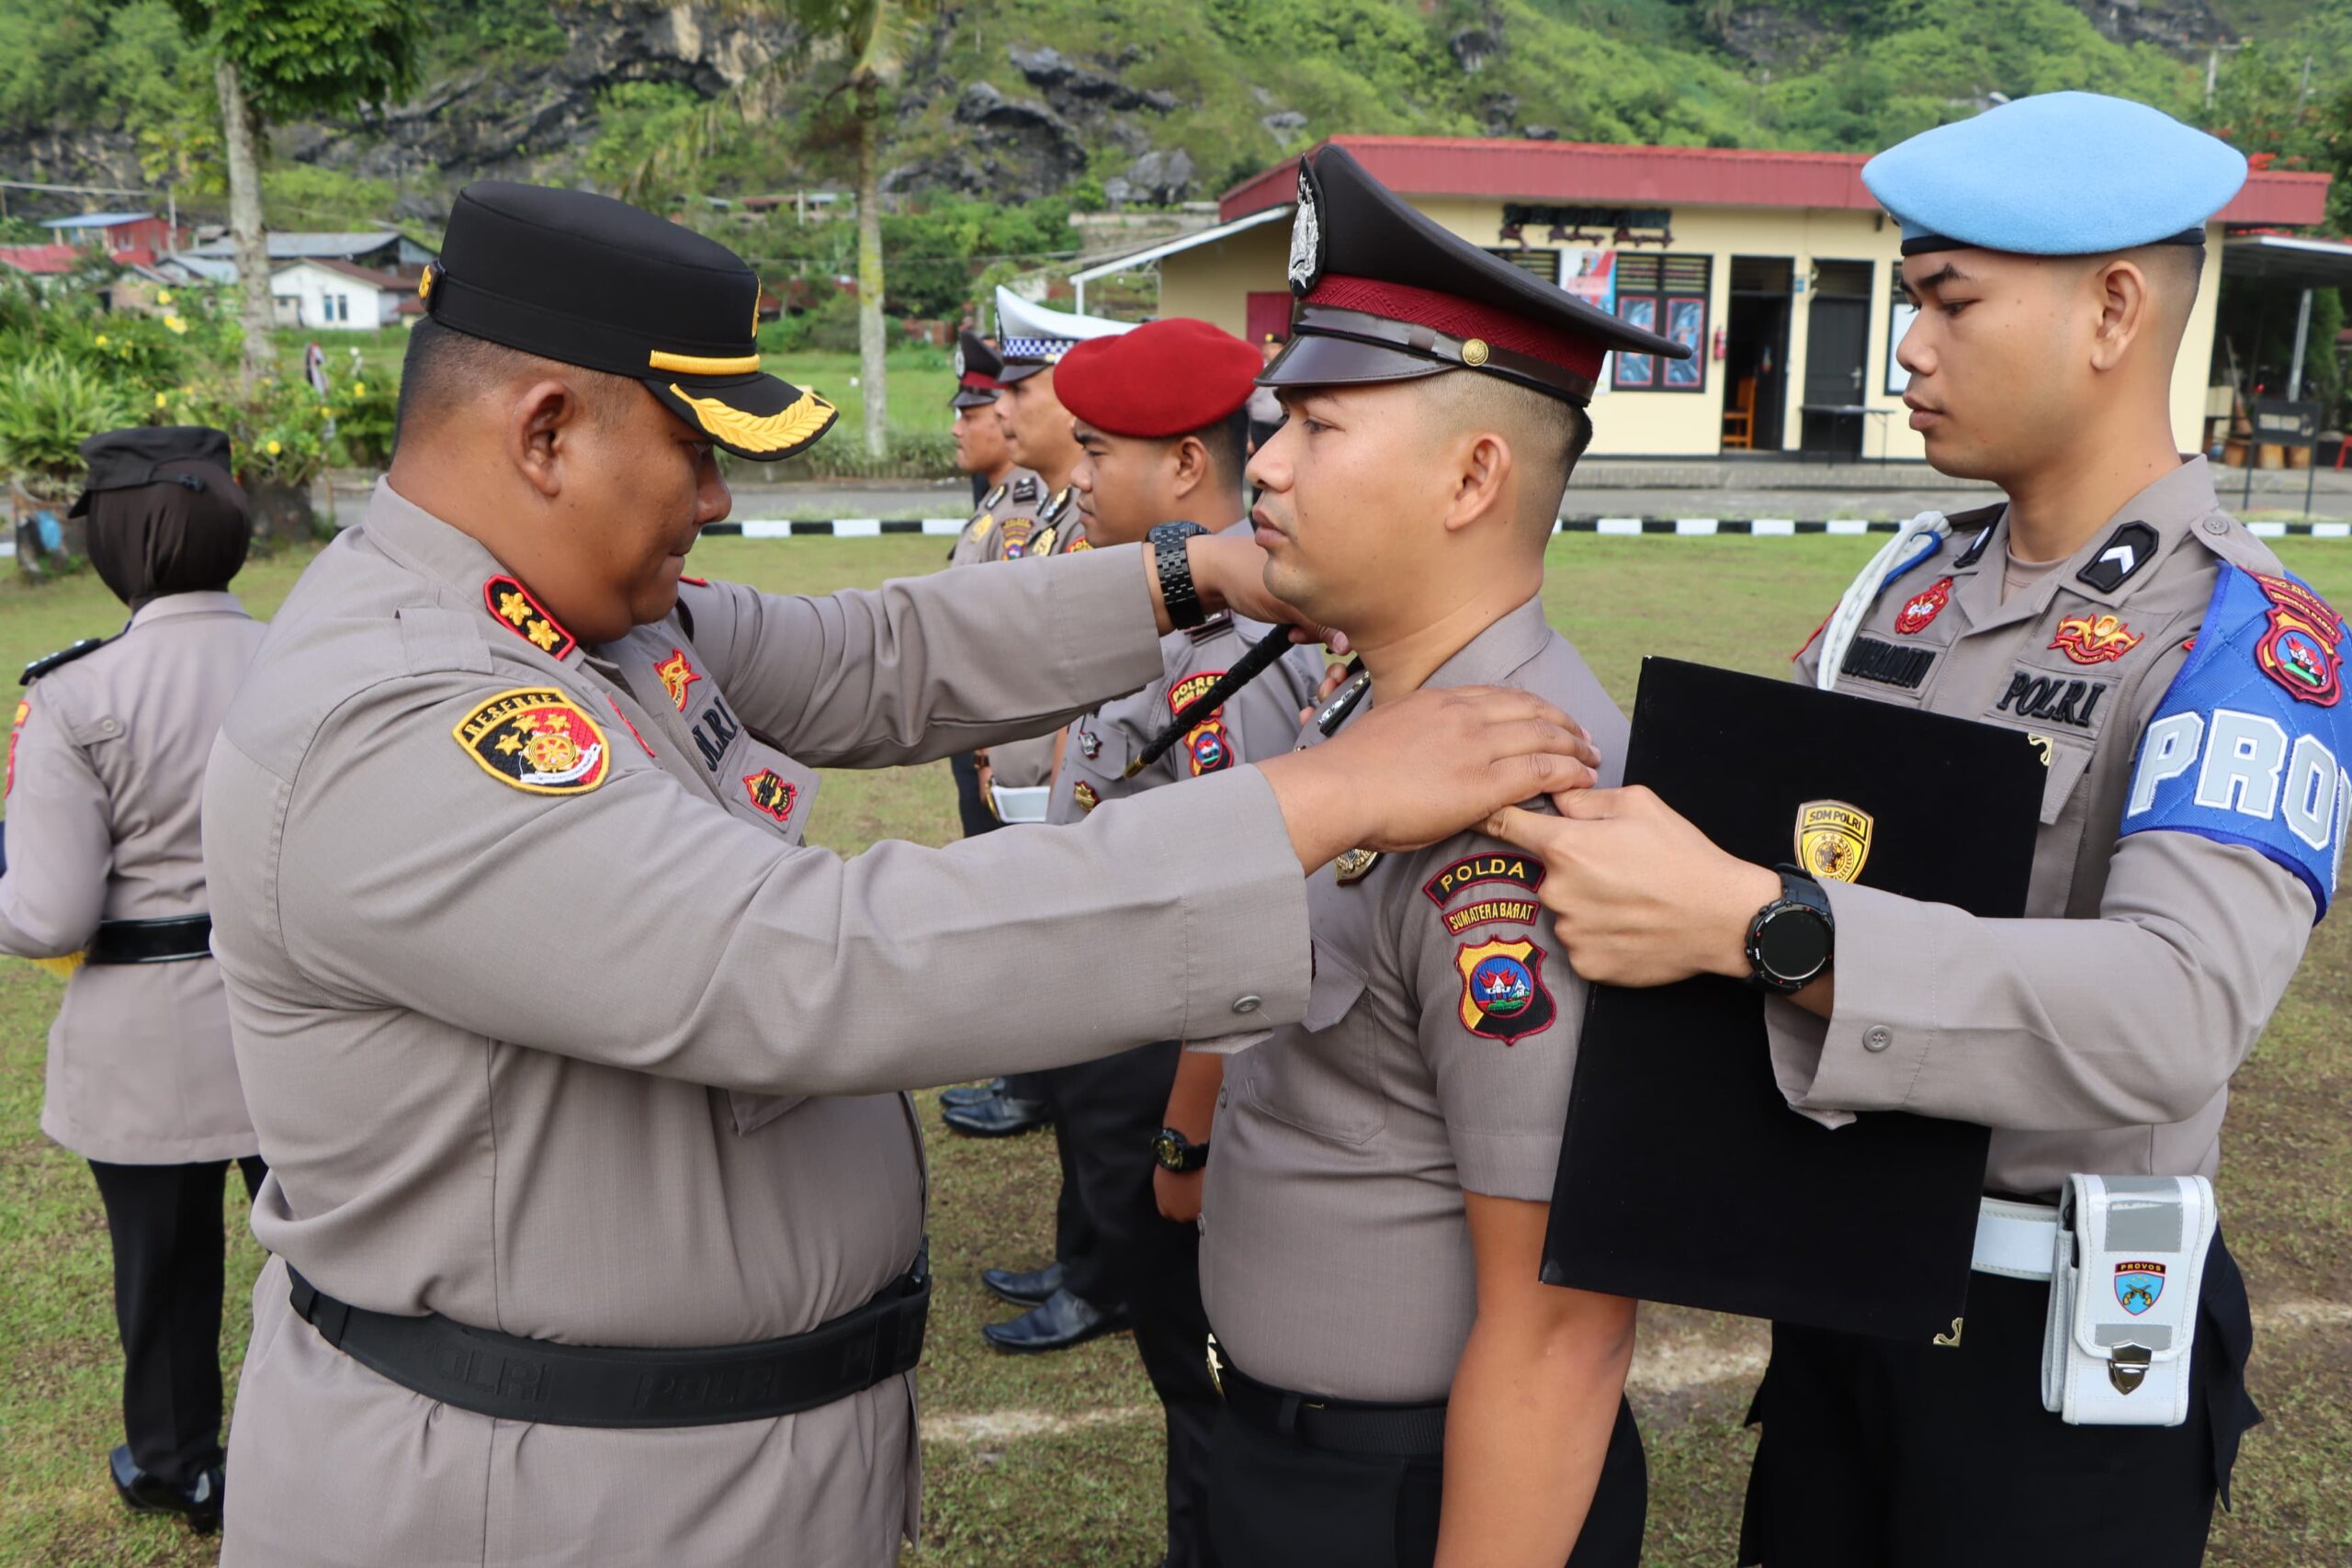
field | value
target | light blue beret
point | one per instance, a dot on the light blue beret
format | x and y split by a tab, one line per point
2057	175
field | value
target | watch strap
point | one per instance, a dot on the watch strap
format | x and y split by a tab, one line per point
1172	560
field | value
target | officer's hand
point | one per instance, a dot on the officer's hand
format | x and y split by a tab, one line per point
1639	895
1229	572
1407	774
1178	1193
1334	677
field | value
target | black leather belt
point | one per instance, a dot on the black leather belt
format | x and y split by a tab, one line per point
512	1379
152	942
1336	1425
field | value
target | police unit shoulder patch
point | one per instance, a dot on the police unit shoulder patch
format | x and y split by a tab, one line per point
2299	651
1208	746
2248	744
1520	871
1921	608
1083	793
1016	536
2094	639
677	674
536	739
1503	995
1833	839
772	792
16	728
511	605
1083	544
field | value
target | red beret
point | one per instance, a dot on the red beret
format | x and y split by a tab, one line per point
1164	379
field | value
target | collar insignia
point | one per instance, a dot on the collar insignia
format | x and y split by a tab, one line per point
511	605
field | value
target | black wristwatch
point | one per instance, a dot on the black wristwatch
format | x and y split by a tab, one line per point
1178	1152
1792	939
1174	563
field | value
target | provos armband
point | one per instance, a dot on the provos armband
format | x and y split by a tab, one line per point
2249	745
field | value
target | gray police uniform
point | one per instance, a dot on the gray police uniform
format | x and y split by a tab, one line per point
1106	1112
551	1025
2097	1036
1434	1060
105	766
1022	771
1005	517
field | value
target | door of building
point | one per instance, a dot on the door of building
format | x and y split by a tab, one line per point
1837	343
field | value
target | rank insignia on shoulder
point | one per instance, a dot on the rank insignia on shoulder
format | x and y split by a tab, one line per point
1833	839
1354	866
1503	995
1923	607
1053	509
2299	651
772	792
1041	542
2094	639
536	739
1026	489
511	605
693	581
1083	793
989	502
1517	870
63	657
677	674
2127	550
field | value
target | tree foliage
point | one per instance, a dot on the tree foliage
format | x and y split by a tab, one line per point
305	58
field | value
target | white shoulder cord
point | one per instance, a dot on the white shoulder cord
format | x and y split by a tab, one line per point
1855	607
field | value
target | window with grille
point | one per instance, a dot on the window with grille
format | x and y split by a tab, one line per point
1667	295
1544	263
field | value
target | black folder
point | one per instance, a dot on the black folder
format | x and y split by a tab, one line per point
1684	1175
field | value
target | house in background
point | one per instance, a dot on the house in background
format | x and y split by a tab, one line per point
129	238
1779	269
381	250
329	294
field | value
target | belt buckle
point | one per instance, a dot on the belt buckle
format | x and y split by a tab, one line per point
1216	1368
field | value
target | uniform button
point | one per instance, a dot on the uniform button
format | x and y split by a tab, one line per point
1201	1223
2217	525
1222	1095
1877	1037
1249	1004
109	727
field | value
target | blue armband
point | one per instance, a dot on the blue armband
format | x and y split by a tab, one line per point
2248	745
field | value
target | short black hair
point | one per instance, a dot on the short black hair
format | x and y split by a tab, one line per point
1227	443
443	366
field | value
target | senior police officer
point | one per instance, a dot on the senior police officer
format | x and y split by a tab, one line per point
1158	417
1399	1387
106	765
2182	689
572	1064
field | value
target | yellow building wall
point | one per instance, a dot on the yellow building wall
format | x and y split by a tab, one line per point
1213	282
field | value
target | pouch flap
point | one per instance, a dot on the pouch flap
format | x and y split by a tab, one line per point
2139	1244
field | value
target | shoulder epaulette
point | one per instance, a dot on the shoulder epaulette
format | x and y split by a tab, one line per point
989	502
63	657
1024	490
1215	626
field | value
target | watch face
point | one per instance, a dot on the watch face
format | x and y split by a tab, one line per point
1793	944
1164	1150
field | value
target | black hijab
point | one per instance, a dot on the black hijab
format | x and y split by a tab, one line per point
165	515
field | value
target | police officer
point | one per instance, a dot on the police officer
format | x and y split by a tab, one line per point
106	763
2182	689
1399	1387
1005	496
1158	418
575	1067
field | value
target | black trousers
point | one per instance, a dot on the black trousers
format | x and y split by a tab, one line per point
169	1246
1882	1454
970	808
1105	1114
1280	1504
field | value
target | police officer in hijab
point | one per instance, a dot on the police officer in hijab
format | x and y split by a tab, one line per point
105	767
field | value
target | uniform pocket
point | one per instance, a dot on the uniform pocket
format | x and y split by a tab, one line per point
1322	1078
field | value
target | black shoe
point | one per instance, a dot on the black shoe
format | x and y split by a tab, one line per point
1062	1320
1023	1288
971	1093
999	1118
200	1504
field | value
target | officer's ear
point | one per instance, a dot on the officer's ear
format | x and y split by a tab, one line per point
541	419
2127	310
1482	464
1189	466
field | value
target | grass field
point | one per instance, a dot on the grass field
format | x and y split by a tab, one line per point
1054	1460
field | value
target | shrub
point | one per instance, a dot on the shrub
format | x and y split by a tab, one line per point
364	410
48	403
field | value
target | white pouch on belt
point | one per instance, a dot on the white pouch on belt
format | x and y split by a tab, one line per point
2123	1299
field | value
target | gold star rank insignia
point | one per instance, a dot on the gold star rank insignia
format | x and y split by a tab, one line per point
511	605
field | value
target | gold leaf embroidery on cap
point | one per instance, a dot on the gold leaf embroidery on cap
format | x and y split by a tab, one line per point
803	422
